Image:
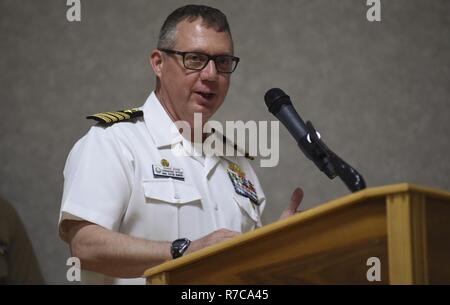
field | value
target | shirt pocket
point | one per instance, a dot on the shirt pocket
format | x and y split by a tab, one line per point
170	191
250	215
168	204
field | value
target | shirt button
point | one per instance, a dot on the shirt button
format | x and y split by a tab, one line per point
216	208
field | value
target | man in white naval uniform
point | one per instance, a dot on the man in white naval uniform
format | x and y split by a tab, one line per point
129	201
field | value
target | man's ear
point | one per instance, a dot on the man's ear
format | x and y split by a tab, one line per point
156	62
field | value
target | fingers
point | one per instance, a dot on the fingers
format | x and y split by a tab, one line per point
296	199
211	239
221	235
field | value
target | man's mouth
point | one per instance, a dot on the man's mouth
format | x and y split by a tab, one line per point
205	95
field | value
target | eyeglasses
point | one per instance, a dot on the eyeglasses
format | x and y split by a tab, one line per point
198	61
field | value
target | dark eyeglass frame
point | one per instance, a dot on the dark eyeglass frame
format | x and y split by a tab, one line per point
210	57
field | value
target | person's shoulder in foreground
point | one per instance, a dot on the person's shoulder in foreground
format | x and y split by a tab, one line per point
18	264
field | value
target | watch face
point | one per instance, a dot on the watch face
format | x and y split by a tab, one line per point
179	246
179	243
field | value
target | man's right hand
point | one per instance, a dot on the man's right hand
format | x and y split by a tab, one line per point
211	239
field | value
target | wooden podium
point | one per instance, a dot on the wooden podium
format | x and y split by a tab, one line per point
406	227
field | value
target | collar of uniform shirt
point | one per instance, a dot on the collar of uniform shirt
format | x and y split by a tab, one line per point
159	123
228	146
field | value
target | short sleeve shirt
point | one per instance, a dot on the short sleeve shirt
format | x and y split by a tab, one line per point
110	180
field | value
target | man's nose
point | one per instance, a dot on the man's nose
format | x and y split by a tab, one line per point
209	72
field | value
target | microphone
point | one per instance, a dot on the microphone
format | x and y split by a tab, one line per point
308	139
280	105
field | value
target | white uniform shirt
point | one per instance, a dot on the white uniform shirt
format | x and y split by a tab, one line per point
109	181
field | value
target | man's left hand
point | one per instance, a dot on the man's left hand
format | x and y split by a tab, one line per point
296	199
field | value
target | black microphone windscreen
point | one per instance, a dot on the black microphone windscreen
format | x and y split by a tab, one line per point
274	98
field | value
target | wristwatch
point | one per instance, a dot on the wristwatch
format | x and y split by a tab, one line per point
179	246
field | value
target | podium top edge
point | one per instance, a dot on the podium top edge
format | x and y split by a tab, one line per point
403	187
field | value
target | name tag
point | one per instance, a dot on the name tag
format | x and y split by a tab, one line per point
167	172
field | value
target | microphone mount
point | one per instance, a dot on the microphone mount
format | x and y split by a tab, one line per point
328	162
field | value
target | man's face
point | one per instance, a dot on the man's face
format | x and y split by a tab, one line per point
184	92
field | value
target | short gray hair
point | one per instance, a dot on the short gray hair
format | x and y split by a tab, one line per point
211	18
